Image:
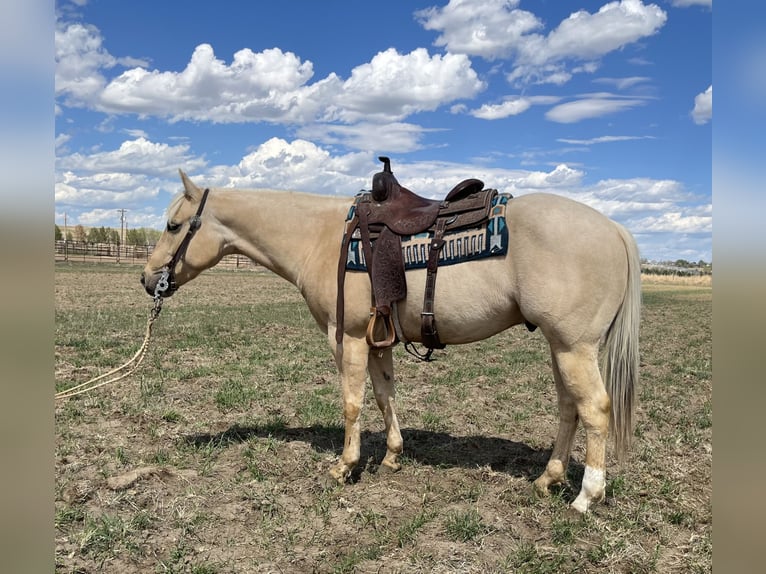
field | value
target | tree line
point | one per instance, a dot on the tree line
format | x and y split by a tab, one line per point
79	234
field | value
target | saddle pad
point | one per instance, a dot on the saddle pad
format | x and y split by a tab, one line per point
460	245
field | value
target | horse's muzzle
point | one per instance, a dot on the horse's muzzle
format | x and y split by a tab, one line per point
150	284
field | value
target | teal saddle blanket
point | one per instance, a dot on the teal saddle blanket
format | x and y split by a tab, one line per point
460	245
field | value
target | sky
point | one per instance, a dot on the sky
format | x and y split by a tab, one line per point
609	103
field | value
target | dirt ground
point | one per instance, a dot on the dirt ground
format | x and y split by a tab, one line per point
212	457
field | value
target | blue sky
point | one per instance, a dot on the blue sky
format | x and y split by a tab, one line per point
609	103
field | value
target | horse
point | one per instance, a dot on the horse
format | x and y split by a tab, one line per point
569	270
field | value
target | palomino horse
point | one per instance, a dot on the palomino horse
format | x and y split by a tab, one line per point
569	270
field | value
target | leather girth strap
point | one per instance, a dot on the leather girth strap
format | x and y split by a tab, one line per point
428	332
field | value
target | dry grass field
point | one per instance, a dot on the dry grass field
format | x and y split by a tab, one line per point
209	459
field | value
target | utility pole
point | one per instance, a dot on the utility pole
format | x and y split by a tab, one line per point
122	232
66	240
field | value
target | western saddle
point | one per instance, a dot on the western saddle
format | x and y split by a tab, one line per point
380	219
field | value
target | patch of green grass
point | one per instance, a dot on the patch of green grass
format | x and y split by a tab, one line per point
528	559
321	407
465	526
433	422
408	532
234	394
68	515
103	535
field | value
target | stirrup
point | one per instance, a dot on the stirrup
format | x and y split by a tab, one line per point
390	339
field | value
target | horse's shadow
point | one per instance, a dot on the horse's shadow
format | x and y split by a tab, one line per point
432	448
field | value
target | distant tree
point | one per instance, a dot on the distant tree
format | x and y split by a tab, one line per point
136	237
113	236
80	234
152	236
69	236
57	235
97	235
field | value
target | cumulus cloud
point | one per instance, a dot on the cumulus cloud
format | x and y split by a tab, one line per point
297	165
393	86
488	28
703	107
268	86
675	222
80	60
499	29
134	156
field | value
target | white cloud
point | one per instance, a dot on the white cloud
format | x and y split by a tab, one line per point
93	186
512	106
394	137
393	86
603	139
298	165
265	85
498	29
61	140
268	86
685	3
592	106
623	83
486	28
80	57
703	107
104	189
80	60
675	222
134	156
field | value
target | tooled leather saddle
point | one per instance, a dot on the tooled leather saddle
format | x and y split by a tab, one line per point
380	219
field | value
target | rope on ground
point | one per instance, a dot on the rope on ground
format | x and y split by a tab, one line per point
131	365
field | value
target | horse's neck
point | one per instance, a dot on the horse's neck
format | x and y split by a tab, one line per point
286	232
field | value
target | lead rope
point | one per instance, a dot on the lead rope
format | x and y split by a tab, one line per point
135	361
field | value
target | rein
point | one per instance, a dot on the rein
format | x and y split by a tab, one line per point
165	283
135	361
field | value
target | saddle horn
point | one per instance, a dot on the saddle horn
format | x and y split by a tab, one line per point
384	181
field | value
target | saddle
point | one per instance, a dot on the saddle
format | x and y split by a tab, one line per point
380	219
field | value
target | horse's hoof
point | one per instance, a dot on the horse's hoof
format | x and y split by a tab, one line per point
385	468
574	513
329	482
540	490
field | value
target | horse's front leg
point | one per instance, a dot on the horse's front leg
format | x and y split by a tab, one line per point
352	364
381	367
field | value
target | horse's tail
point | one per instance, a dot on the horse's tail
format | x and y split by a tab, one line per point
621	360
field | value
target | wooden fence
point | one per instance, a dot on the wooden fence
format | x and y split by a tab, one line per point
78	252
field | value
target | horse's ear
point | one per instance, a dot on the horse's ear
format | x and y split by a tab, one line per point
191	191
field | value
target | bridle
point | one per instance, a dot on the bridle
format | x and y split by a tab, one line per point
167	282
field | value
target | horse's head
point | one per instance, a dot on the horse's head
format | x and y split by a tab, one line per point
189	245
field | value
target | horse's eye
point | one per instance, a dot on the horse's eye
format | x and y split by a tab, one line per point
173	227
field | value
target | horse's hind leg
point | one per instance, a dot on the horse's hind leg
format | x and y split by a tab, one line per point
581	379
381	368
556	470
